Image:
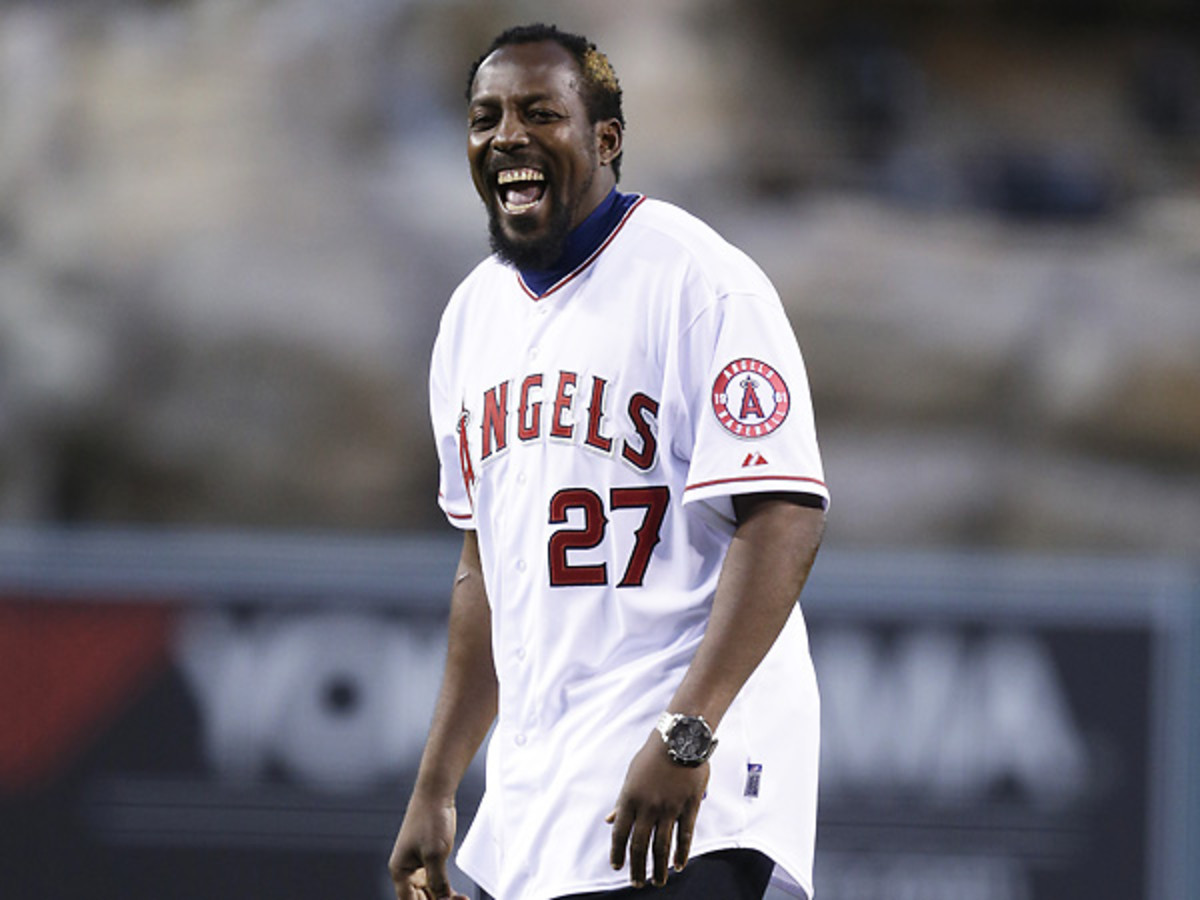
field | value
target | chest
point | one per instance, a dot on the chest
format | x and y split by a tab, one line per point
585	368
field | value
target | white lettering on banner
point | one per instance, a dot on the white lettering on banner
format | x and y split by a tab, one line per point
337	701
946	716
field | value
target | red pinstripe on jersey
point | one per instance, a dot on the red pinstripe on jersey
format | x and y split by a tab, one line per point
744	478
462	517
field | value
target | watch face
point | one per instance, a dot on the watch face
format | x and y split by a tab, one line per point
690	740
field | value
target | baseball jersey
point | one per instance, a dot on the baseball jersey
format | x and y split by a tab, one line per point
593	436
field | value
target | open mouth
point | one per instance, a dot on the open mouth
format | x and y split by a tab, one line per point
520	190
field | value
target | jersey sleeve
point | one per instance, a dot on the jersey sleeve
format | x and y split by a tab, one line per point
446	414
752	416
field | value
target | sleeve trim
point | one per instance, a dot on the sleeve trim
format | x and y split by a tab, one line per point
457	519
744	478
717	487
461	521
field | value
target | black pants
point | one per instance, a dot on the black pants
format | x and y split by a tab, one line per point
721	875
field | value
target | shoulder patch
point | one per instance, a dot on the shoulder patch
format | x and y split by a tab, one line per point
750	398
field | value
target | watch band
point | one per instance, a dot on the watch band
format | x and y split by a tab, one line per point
665	723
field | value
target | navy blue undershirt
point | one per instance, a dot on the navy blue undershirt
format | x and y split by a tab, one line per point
582	241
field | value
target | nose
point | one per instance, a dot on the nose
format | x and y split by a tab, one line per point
510	132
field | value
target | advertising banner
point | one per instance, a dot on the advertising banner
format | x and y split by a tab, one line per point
242	718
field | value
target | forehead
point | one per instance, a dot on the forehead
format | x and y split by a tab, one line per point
543	68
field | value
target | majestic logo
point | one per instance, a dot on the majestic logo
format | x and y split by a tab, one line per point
750	398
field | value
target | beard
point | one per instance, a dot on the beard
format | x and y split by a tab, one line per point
538	251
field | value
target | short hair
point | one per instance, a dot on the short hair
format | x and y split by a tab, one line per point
600	90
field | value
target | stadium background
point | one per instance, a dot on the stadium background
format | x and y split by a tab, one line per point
227	230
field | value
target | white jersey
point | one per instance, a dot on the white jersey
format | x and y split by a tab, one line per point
593	439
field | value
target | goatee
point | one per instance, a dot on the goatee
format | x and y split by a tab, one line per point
537	252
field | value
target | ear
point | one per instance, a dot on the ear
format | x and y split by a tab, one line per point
608	140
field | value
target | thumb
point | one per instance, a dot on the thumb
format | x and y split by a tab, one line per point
439	881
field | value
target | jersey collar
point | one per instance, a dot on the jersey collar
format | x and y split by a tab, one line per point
584	244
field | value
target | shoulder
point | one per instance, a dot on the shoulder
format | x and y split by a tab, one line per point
670	226
488	275
490	279
473	306
666	232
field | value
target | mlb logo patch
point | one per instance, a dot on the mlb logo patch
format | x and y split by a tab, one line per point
753	779
750	398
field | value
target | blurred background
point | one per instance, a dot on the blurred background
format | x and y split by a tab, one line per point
227	231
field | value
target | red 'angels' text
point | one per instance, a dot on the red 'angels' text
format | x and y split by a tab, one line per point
544	405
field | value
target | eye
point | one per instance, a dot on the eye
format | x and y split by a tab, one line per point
481	120
543	114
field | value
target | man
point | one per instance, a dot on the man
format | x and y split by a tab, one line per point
626	439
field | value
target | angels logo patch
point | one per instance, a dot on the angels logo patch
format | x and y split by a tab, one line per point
750	398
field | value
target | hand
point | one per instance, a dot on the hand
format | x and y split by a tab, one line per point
659	798
418	861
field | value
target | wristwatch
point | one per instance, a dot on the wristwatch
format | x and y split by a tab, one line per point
689	739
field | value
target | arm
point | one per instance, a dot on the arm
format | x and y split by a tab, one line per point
465	709
763	573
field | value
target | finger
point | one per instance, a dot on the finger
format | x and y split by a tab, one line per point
407	883
639	844
622	821
683	840
419	885
438	886
662	850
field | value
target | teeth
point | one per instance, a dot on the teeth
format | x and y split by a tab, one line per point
518	207
508	176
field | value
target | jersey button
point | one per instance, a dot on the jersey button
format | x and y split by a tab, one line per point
519	740
520	565
521	654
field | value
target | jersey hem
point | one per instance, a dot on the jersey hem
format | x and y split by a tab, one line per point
783	877
788	883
